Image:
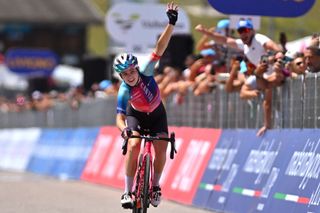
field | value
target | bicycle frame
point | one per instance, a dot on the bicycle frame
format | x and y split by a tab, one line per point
144	173
144	177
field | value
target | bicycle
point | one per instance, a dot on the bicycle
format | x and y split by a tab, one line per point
144	174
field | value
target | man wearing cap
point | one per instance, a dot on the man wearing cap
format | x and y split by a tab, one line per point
253	44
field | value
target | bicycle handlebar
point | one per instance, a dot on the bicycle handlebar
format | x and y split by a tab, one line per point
153	138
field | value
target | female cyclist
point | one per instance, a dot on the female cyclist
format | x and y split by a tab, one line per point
139	107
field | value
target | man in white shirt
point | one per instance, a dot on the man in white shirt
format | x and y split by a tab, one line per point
253	44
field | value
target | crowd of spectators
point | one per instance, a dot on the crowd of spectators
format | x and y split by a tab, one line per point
243	61
251	65
73	97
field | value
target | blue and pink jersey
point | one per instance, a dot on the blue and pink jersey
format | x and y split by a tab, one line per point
145	96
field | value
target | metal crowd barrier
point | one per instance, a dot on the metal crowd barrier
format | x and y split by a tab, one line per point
295	105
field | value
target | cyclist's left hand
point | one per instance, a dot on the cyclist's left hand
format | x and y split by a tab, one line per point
172	13
126	133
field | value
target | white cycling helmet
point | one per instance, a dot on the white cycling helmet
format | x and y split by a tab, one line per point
123	61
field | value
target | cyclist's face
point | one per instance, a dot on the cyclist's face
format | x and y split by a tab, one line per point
130	76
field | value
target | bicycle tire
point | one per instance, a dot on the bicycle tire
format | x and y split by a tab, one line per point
135	208
146	185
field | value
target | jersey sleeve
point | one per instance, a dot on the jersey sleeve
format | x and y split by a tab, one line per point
262	39
240	44
148	69
123	98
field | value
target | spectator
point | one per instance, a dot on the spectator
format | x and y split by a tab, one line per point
296	65
312	55
237	77
224	53
253	44
41	101
272	69
113	88
205	42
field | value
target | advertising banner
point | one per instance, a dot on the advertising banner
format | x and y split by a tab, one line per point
195	149
142	21
297	188
259	161
105	164
62	152
278	172
277	8
31	62
16	147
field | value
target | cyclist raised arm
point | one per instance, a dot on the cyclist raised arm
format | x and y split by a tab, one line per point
139	107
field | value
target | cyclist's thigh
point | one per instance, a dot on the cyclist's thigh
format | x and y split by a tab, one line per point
158	122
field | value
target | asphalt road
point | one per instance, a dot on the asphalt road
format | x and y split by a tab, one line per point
30	193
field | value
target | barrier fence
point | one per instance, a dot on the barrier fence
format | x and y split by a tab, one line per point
295	105
220	170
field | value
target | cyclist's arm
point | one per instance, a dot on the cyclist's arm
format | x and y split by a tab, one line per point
122	102
164	39
121	121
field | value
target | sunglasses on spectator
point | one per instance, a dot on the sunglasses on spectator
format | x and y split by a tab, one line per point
299	63
243	30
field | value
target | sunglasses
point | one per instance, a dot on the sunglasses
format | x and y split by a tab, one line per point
243	30
299	63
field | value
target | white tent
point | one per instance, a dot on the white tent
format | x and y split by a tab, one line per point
66	74
298	45
11	80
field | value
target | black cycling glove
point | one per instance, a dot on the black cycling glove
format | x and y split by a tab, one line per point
126	133
173	16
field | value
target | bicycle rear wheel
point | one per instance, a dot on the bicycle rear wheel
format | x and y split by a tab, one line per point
146	185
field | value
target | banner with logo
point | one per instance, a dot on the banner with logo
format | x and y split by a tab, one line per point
259	162
277	8
195	149
143	22
297	188
105	164
62	152
275	173
16	147
31	62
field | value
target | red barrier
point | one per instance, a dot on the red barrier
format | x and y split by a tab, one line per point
195	147
105	164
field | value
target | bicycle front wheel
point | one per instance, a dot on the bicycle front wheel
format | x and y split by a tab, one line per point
146	184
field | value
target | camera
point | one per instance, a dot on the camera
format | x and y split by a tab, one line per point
264	59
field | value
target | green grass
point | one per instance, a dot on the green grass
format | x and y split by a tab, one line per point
295	28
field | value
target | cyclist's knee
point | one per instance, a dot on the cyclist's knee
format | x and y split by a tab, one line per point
134	145
160	149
